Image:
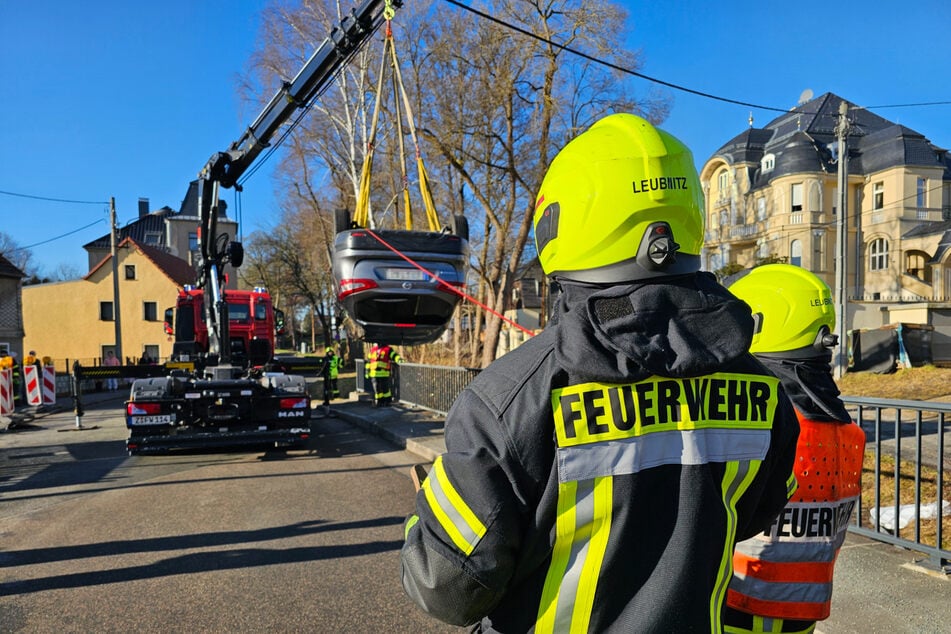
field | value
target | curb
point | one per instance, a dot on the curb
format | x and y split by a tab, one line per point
380	428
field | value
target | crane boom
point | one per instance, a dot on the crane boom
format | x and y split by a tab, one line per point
224	169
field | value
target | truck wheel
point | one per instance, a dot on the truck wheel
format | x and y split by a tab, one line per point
341	220
460	227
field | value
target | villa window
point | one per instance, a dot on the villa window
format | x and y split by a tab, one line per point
922	193
106	312
878	254
723	182
796	195
878	196
761	208
795	252
815	198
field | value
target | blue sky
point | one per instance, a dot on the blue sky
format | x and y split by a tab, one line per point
120	99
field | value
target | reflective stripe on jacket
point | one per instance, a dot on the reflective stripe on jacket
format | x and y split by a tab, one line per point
597	477
786	572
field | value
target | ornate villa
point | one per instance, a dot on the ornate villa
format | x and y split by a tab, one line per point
771	194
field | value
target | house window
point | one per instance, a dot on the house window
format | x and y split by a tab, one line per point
105	311
152	352
768	162
761	209
878	196
921	197
796	195
130	271
878	254
192	240
795	253
153	238
835	199
150	311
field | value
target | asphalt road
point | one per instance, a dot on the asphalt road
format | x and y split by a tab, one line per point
94	541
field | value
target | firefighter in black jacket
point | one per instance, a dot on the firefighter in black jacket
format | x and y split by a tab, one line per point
597	477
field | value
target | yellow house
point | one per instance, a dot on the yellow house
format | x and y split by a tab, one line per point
75	320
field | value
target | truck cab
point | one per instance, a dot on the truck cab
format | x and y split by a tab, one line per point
253	324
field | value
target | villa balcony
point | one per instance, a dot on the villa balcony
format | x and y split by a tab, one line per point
734	233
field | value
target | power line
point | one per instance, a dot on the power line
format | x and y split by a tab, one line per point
56	200
69	233
629	71
610	65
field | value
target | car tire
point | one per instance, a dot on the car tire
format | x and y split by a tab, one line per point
341	220
460	227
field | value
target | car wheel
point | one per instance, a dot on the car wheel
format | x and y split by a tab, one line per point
341	220
460	227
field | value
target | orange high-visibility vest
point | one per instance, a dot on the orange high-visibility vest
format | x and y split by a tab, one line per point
786	572
380	361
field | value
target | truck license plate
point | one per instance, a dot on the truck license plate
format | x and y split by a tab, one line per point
158	419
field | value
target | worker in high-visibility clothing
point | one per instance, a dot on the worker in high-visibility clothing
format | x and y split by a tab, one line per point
331	370
379	368
597	477
782	580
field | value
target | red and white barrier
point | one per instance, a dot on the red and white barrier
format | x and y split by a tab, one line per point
6	391
34	395
49	385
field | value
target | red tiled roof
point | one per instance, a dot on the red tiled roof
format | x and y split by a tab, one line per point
174	267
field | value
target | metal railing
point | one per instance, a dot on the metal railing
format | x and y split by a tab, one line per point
431	387
912	436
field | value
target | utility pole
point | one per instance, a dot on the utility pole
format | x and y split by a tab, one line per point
842	132
115	281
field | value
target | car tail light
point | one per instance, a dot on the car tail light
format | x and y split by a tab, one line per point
143	409
349	287
404	325
297	402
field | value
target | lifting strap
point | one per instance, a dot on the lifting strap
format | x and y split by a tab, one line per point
361	215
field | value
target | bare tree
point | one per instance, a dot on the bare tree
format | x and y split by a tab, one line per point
17	255
502	103
493	106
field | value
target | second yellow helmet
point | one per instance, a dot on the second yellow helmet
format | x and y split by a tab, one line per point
792	308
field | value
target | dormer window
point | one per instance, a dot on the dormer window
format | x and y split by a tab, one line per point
833	149
768	163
